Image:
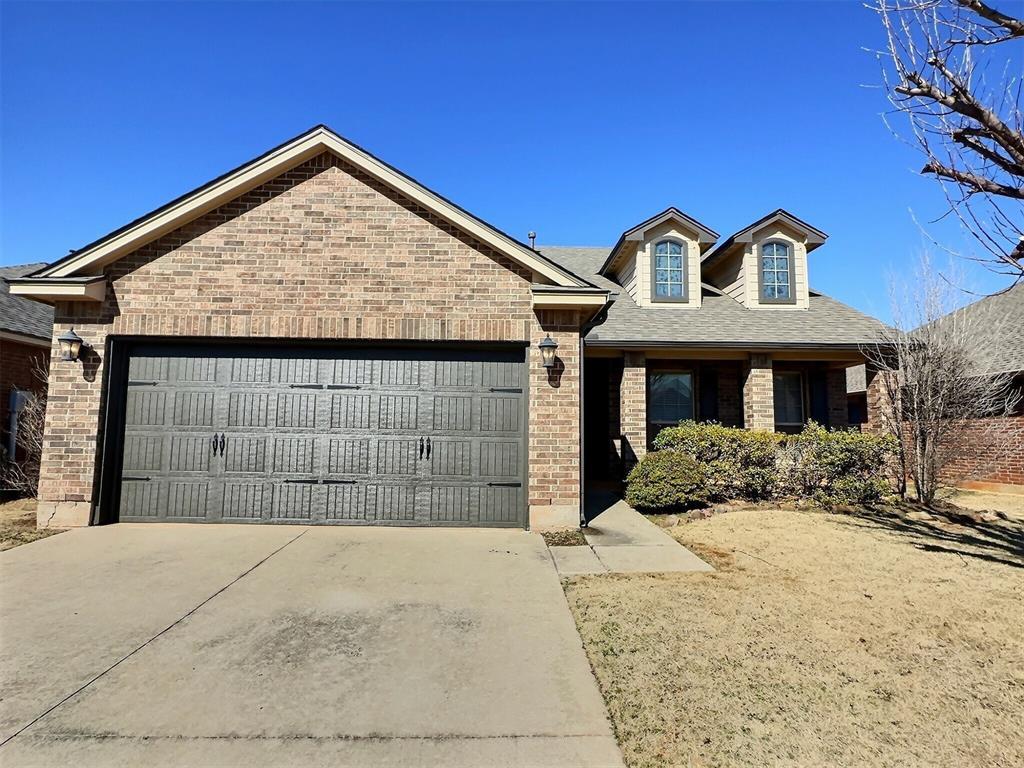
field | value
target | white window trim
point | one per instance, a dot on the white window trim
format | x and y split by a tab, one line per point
790	257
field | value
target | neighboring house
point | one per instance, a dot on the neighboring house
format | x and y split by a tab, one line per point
26	327
316	337
1000	319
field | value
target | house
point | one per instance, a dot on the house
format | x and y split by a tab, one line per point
316	337
26	328
990	465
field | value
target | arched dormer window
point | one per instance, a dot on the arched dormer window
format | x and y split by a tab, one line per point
668	278
776	273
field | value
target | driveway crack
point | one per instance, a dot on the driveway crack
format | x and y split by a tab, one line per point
163	631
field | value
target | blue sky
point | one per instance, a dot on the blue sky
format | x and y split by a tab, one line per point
577	121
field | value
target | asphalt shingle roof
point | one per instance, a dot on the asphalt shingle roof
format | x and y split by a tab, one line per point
996	322
721	320
21	315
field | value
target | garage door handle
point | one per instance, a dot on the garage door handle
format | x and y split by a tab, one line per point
421	447
213	444
428	447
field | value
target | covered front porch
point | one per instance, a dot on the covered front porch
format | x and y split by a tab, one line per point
632	394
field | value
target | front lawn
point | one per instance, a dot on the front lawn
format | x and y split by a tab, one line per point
822	640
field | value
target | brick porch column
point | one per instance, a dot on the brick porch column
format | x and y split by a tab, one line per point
633	408
838	404
877	397
759	394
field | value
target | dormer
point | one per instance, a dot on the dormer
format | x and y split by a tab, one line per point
765	265
658	261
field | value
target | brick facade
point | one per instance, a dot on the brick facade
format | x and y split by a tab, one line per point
633	409
22	367
321	252
877	398
759	394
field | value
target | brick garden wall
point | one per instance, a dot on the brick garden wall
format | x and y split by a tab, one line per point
321	252
995	451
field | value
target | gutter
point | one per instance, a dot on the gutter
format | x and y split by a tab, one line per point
613	344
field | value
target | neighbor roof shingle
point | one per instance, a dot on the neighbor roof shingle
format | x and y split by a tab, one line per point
721	320
998	320
19	315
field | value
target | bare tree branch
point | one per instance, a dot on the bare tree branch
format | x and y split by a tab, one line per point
938	68
1015	27
973	180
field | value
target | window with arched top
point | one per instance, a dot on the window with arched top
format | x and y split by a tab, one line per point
777	272
668	281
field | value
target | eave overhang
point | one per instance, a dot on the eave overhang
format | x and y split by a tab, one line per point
24	338
54	289
653	344
554	297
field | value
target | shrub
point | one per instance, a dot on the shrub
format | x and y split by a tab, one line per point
835	467
666	481
737	463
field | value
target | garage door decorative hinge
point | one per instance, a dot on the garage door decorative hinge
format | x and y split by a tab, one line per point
506	485
516	390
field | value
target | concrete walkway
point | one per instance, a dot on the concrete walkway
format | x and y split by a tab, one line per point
621	540
231	645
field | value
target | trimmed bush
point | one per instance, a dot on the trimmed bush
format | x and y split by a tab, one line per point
835	467
737	463
666	481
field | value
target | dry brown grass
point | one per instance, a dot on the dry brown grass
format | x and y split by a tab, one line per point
571	538
18	524
824	640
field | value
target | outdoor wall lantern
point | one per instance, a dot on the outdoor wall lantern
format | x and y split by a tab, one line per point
70	345
547	351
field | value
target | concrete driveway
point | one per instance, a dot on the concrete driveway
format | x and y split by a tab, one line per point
240	645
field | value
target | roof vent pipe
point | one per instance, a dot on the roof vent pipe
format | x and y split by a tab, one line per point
533	239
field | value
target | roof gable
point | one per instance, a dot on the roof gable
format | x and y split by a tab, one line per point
812	235
636	234
167	218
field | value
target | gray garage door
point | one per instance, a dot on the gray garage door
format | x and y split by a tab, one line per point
413	437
